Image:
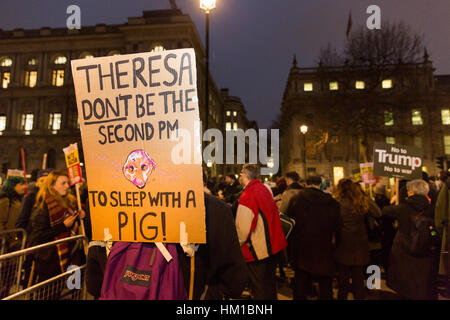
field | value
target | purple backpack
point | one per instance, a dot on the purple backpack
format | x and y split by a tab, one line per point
138	271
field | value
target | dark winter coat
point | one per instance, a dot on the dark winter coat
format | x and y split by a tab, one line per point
47	261
219	263
409	276
26	208
317	219
352	243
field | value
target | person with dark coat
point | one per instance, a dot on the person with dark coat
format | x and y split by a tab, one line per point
317	220
54	218
388	229
352	243
232	188
10	195
220	269
293	188
26	207
411	277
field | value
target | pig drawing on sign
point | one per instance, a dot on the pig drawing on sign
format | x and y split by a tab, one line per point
138	168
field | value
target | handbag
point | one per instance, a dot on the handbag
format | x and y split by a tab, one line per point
287	224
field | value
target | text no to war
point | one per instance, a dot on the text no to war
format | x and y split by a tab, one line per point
144	73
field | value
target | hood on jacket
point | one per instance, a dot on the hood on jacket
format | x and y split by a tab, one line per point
315	196
418	203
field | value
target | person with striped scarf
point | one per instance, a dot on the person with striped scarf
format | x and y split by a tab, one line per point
54	217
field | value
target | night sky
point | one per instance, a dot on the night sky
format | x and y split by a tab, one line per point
253	41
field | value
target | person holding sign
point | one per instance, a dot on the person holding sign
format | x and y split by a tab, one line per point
53	218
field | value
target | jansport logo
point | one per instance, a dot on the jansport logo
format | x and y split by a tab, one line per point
136	277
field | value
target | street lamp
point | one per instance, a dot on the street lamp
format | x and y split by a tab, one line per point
304	130
207	6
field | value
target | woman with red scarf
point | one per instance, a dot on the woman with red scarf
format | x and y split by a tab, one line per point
54	217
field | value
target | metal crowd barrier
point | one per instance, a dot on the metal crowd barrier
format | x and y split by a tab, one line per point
66	286
11	240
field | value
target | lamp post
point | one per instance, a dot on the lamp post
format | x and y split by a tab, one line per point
207	6
304	130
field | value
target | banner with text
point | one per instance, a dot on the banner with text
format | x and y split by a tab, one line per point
73	164
367	175
132	109
398	161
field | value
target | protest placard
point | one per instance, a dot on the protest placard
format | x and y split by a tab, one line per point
367	176
73	164
398	161
15	173
131	109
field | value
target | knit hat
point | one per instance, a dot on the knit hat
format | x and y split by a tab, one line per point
380	188
43	173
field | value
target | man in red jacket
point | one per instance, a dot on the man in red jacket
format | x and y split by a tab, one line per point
260	234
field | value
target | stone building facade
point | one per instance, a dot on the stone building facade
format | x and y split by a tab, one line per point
37	102
348	108
235	117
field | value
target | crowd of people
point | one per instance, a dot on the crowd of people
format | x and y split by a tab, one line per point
339	231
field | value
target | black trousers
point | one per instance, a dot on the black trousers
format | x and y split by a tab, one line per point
262	280
302	283
356	273
95	269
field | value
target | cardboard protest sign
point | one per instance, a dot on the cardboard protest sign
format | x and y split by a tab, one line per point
73	164
398	161
367	176
356	173
15	173
133	109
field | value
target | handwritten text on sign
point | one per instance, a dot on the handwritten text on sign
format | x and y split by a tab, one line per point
130	109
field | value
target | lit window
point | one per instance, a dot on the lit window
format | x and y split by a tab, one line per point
228	126
447	144
86	55
58	78
388	118
158	48
234	113
360	85
2	124
54	123
5	62
390	140
228	113
235	126
338	174
60	60
307	86
418	142
386	84
445	113
5	79
30	78
334	86
416	117
32	62
27	123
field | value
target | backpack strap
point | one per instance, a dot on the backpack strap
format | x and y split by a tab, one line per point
152	258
